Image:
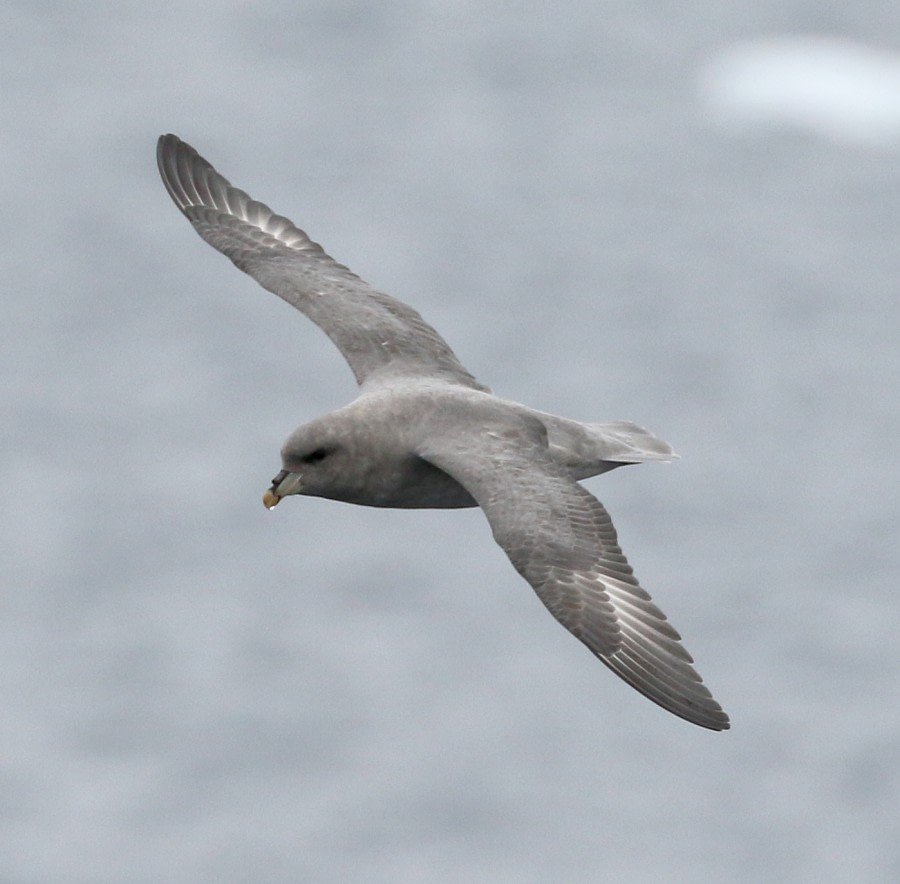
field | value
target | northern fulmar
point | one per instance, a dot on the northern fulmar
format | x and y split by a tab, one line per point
424	433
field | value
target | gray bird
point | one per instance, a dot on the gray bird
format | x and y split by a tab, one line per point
424	433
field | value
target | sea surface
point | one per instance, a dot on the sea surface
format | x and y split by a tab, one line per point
686	215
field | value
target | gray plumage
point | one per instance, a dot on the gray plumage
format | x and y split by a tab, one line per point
424	433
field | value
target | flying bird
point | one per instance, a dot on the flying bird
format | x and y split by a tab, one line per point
423	432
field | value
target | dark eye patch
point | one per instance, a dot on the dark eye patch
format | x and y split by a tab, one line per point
315	456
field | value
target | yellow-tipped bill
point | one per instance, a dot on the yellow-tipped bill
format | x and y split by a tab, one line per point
284	484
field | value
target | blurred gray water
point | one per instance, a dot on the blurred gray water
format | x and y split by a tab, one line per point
194	689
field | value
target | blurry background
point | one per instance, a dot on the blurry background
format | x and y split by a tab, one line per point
685	215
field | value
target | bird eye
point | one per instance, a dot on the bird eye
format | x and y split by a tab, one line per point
315	456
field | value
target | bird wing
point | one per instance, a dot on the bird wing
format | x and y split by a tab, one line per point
560	538
380	337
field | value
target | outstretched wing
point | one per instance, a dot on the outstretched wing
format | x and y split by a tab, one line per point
380	337
561	540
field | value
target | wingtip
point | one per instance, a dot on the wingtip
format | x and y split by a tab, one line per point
712	718
709	714
704	712
168	144
168	148
186	175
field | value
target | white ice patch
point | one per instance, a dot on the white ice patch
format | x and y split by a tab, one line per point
842	90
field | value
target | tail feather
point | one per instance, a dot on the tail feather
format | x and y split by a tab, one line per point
629	443
590	449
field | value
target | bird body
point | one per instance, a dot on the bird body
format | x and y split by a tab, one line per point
375	444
